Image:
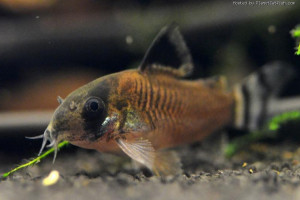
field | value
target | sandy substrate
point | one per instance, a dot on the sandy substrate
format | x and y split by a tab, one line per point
272	172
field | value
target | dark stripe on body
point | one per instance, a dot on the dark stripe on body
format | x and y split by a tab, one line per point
263	84
157	97
177	107
145	98
150	120
166	109
140	93
170	102
164	99
175	97
245	93
161	107
151	95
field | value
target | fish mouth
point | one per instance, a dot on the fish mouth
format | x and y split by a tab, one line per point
48	135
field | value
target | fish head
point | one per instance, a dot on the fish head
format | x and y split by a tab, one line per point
81	116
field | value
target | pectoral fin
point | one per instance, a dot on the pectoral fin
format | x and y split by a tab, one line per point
139	150
142	151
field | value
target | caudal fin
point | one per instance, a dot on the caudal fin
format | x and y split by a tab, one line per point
255	93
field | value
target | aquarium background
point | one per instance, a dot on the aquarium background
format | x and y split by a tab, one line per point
50	48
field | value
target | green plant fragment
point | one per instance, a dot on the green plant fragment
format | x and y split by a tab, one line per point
298	50
268	132
35	160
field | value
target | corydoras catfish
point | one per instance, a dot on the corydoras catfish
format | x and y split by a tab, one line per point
142	111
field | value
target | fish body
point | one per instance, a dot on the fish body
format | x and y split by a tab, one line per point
140	112
163	109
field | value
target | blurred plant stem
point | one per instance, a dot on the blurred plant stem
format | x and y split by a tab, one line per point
35	160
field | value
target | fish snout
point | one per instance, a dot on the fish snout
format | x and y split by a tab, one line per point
51	136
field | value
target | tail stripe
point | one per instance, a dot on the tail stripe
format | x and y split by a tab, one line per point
256	92
247	103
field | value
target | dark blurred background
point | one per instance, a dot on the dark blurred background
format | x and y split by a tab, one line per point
51	47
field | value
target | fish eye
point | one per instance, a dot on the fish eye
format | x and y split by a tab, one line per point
94	105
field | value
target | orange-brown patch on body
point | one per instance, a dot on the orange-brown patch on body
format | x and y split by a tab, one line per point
176	111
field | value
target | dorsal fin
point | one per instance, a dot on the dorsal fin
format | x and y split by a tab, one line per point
168	49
